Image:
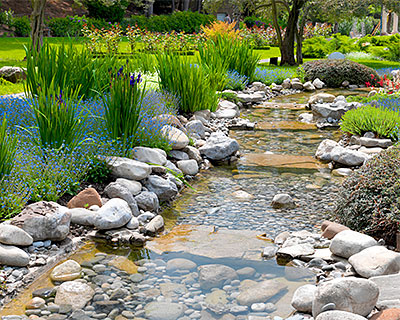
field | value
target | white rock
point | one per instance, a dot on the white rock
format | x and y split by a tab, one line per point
13	256
13	235
128	168
133	224
115	190
176	137
339	315
303	298
134	187
155	225
218	147
321	98
148	155
215	275
308	86
83	216
324	150
114	214
318	83
348	242
75	293
283	200
189	167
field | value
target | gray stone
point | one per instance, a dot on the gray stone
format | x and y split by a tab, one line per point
215	276
115	190
75	293
12	74
13	256
176	137
205	114
44	221
308	86
375	261
269	252
336	55
179	155
283	200
218	147
296	251
134	187
164	189
318	84
180	264
147	201
324	150
374	142
323	111
13	235
260	292
149	155
303	298
196	129
163	311
66	271
348	242
251	98
128	168
188	167
155	225
339	315
114	214
133	223
348	157
193	153
321	97
297	85
389	291
286	84
82	216
171	166
348	294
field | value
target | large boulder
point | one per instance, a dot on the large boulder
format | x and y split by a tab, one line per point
324	150
303	298
116	190
331	229
389	291
163	188
321	98
44	221
227	110
188	167
13	235
147	201
375	261
348	242
128	168
215	276
66	271
260	292
347	294
13	256
339	315
196	129
322	111
114	214
177	138
149	155
85	199
82	216
134	187
12	74
348	157
219	147
75	293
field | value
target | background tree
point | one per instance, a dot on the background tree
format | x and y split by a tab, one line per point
37	23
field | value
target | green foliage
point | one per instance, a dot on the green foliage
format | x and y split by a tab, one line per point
8	144
123	109
369	200
230	97
385	123
22	26
334	72
187	21
340	43
316	47
72	26
190	83
98	172
68	68
111	13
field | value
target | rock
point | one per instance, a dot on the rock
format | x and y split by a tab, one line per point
13	256
124	264
282	237
133	223
85	199
331	229
115	190
345	83
12	74
217	301
196	129
297	85
389	314
303	298
13	235
242	195
128	168
176	137
83	216
318	84
147	201
149	155
269	252
339	315
348	294
75	293
375	261
215	276
44	221
155	225
276	87
172	167
134	187
389	291
323	111
348	157
374	142
324	150
180	264
296	251
283	200
188	167
260	292
164	189
306	117
205	114
66	271
342	172
35	303
163	311
286	84
251	98
114	214
179	155
193	153
348	242
336	55
321	98
308	86
218	147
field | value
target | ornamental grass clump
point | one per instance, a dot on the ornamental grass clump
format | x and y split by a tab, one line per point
190	83
369	199
384	122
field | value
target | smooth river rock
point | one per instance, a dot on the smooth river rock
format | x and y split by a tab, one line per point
339	315
13	256
134	187
82	216
303	298
149	155
13	235
85	199
176	137
215	275
66	271
155	225
128	168
114	214
163	188
147	201
283	200
188	167
218	147
116	190
348	294
75	293
348	242
163	311
180	264
260	292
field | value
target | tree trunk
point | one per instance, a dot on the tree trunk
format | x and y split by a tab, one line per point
37	23
150	8
186	4
199	6
173	6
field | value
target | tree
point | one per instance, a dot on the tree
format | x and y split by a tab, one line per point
37	20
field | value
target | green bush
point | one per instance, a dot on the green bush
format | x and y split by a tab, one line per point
111	13
385	123
189	82
334	72
316	47
22	26
72	26
340	43
369	200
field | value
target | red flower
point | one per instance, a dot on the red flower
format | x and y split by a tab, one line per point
367	84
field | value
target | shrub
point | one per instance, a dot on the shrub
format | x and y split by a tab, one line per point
385	123
360	55
8	144
340	43
190	83
316	47
369	199
273	75
334	72
64	27
22	26
236	81
112	12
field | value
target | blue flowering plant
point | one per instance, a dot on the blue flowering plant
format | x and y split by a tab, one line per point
236	81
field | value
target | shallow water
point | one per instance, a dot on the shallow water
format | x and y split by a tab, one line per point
222	219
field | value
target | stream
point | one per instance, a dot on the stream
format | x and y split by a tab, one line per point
209	265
